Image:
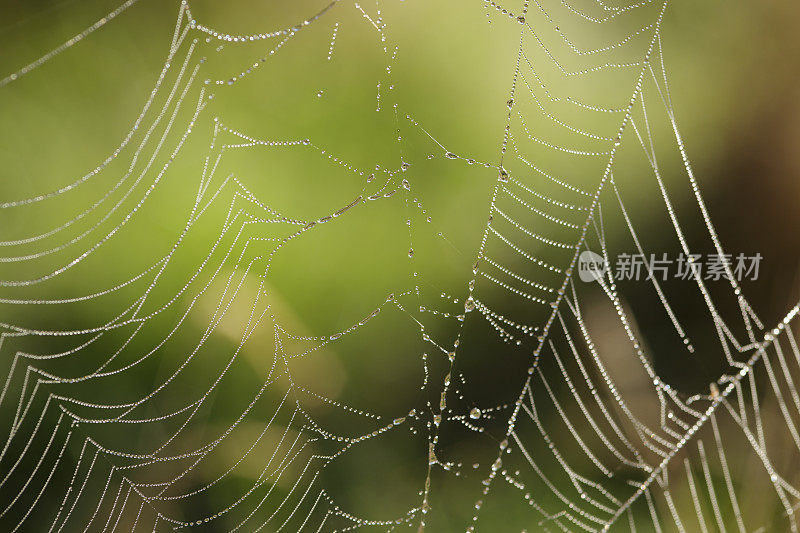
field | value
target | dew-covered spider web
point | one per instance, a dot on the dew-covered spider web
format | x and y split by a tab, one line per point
314	266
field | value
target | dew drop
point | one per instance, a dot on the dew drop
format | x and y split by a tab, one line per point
475	413
469	304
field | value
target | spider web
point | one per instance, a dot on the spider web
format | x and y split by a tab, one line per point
203	399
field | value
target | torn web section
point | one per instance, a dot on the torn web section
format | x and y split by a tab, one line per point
350	273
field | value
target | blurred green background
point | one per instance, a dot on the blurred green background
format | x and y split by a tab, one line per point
447	66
